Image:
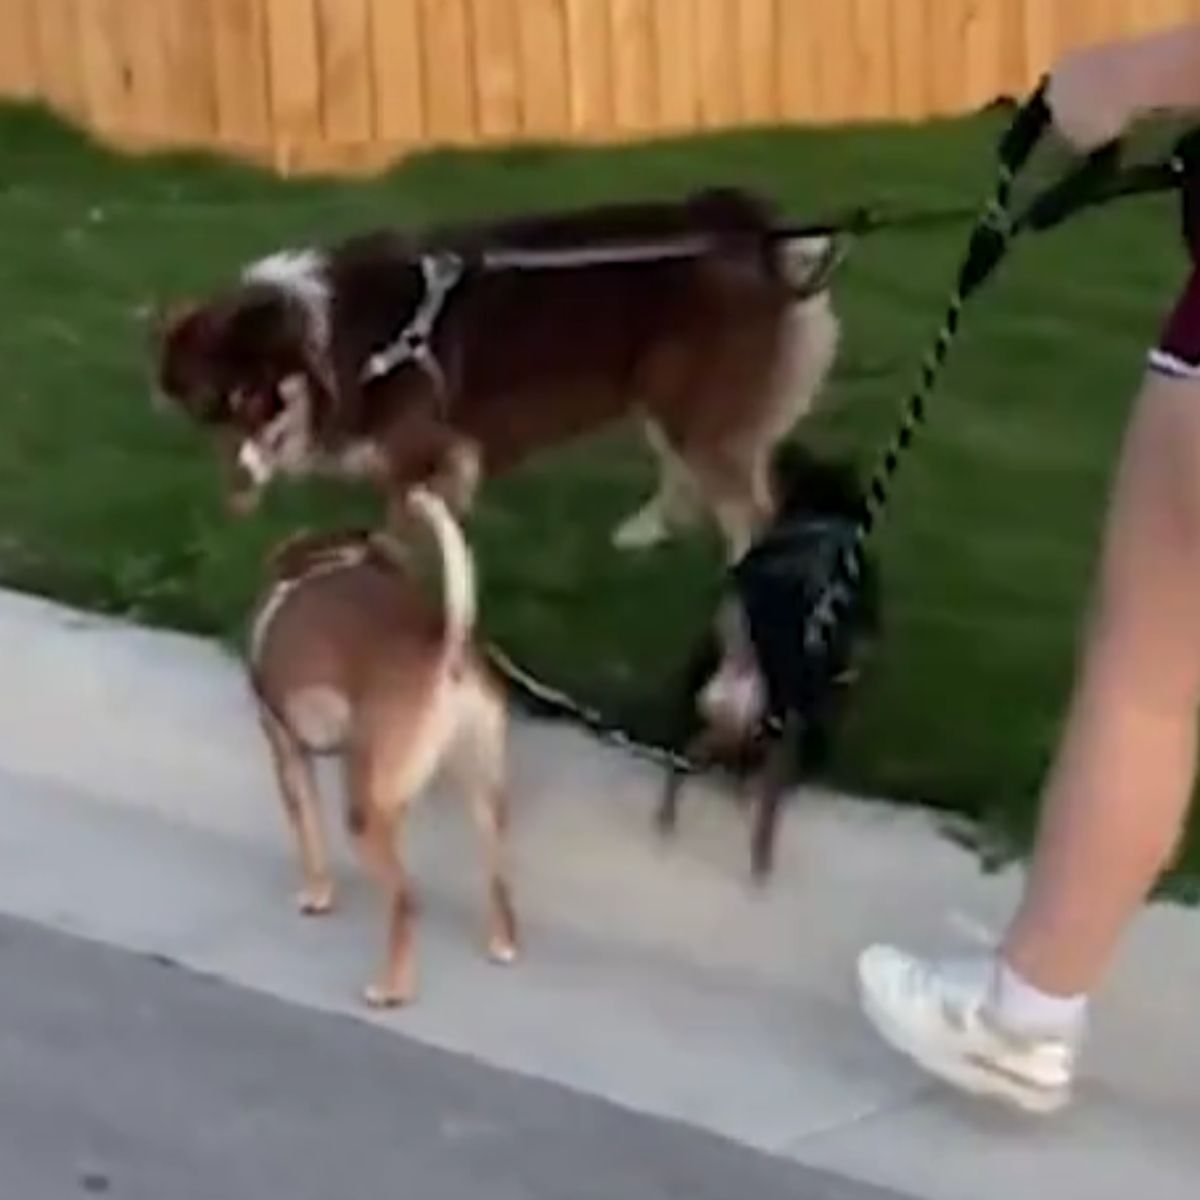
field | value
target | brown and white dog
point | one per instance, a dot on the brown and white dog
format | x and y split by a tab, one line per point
349	656
719	351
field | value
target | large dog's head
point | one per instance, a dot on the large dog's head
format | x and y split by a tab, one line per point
251	365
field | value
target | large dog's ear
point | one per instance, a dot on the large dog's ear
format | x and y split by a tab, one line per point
179	320
185	338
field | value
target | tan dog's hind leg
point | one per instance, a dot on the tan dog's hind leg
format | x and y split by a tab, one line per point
374	818
298	790
478	764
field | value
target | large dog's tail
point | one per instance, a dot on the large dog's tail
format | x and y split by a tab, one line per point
458	569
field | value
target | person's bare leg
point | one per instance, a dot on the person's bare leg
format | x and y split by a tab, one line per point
1009	1025
1119	789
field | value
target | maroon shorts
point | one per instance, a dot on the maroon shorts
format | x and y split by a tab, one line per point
1178	351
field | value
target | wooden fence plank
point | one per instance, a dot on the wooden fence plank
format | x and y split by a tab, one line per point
397	67
187	49
871	31
983	49
107	72
836	67
944	24
240	80
449	101
1040	26
675	64
797	50
635	98
59	68
18	49
347	103
716	42
590	53
542	41
910	59
1014	73
295	76
758	64
147	71
496	64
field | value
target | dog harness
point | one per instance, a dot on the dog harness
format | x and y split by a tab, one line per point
441	274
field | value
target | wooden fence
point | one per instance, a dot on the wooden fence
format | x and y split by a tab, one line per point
351	84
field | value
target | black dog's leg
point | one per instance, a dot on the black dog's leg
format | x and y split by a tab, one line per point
773	780
695	746
667	818
700	752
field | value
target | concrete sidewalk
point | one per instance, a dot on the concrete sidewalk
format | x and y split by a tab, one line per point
137	809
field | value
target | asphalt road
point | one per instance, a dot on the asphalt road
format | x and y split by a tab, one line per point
131	1078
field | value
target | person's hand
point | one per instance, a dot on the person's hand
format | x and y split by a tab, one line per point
1089	98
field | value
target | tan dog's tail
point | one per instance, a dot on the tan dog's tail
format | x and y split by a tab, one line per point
458	568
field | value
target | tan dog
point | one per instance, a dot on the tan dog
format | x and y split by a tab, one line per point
350	657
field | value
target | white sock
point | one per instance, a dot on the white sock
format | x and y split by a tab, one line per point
1027	1011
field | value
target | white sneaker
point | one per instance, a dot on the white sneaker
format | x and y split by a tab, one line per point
937	1014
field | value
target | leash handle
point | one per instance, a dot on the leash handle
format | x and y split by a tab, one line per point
1023	135
1098	178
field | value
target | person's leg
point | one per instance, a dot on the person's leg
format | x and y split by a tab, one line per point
1114	802
1120	786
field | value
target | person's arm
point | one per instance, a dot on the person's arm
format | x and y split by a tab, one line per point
1097	93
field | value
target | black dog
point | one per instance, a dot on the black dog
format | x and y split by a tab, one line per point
803	694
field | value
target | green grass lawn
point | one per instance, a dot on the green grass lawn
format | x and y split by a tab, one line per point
985	555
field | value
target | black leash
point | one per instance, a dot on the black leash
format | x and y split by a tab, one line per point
1100	179
987	247
837	547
